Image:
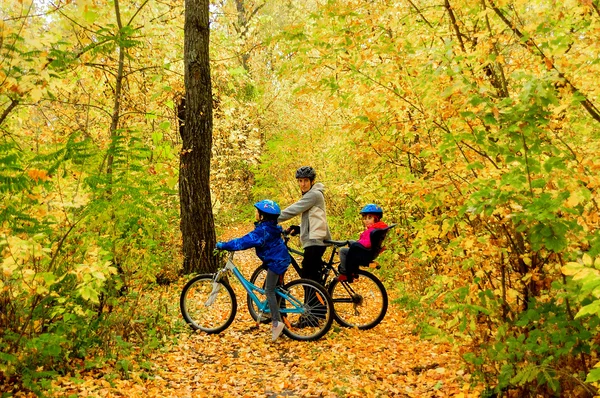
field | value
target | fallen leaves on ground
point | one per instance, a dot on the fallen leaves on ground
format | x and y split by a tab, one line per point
387	361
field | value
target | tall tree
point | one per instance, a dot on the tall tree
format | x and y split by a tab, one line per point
197	223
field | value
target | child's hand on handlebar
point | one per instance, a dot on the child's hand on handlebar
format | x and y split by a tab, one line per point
218	249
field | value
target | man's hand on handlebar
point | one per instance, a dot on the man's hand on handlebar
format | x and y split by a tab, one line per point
293	230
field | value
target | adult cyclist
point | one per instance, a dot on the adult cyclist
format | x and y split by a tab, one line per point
313	225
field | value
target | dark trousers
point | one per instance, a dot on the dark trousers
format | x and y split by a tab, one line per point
312	264
270	285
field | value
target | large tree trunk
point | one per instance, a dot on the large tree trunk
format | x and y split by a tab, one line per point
197	224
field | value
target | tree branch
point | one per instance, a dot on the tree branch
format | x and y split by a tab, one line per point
11	106
534	48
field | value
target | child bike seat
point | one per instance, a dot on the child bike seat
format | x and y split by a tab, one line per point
358	255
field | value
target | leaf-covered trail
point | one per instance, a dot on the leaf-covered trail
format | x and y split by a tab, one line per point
387	361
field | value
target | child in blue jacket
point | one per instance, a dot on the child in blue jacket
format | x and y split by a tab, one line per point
270	248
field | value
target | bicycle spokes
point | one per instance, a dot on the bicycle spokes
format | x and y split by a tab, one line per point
362	303
308	319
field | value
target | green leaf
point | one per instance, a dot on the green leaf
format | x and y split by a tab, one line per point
593	376
89	294
166	125
590	309
90	16
157	137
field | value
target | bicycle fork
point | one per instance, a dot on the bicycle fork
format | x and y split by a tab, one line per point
216	287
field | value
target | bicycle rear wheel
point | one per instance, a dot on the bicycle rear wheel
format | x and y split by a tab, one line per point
306	310
361	304
207	305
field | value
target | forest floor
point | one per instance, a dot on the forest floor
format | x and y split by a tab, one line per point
389	360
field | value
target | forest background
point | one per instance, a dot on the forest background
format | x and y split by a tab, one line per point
475	124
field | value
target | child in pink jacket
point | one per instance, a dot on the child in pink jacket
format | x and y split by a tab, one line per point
371	217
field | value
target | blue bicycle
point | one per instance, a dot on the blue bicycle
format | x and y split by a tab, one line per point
208	303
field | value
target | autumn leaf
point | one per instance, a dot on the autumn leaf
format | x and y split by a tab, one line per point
37	175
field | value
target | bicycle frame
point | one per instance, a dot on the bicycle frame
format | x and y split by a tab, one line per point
263	306
328	266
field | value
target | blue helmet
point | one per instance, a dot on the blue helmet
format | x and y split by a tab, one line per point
372	208
268	206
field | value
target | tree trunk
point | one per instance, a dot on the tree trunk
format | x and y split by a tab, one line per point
197	224
243	29
116	113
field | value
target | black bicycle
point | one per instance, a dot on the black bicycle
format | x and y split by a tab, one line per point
360	301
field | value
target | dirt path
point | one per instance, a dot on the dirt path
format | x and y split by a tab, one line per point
387	361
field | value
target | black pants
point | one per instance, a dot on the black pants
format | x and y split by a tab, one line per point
312	264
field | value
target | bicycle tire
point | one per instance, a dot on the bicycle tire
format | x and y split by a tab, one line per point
258	278
361	304
200	314
317	318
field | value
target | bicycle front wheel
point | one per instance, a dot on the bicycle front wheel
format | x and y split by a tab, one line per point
208	305
361	304
306	310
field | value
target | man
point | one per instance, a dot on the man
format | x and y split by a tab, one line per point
313	225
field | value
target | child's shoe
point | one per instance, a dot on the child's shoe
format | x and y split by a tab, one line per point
276	330
348	278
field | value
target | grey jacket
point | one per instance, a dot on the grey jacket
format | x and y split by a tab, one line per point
313	225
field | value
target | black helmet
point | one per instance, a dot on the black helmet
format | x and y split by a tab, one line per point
306	172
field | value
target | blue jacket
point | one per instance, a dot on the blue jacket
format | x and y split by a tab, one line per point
270	248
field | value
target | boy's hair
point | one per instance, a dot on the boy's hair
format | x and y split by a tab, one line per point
377	216
268	217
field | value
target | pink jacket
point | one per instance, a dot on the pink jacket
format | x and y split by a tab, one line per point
365	237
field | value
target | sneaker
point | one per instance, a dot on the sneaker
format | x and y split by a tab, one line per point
276	330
